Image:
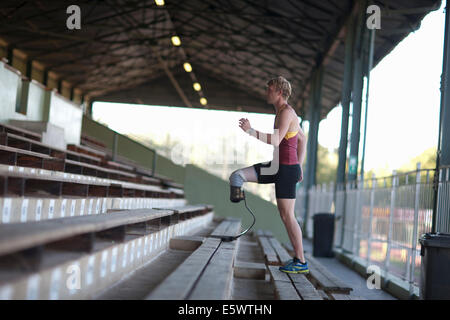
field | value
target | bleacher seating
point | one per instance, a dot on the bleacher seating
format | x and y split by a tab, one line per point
75	224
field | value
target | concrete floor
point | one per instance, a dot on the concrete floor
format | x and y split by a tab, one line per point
350	277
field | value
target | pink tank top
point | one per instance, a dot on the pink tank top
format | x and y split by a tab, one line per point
288	148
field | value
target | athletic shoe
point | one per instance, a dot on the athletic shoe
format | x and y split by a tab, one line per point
295	267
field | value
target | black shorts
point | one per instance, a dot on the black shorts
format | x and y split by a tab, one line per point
285	178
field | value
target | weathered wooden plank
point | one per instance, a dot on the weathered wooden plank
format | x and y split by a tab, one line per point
283	255
325	279
269	253
304	287
233	227
221	228
268	233
341	296
324	295
277	275
179	283
298	281
186	243
17	130
285	291
19	236
260	233
215	282
249	270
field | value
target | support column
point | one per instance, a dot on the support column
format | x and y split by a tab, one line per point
314	119
358	81
345	101
444	117
443	149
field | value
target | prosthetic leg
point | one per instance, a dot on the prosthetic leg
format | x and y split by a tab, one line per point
237	179
237	194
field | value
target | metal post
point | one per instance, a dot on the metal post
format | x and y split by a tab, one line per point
356	236
345	188
391	222
358	79
345	103
29	69
444	123
369	235
412	261
369	68
315	106
443	149
345	100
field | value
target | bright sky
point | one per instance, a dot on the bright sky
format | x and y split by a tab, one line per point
402	118
404	99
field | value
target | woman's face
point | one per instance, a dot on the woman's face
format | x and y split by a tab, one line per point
271	94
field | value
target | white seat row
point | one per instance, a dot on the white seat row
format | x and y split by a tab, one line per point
24	209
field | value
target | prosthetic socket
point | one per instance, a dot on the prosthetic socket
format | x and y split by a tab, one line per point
237	179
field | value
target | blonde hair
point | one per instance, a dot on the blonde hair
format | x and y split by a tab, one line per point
281	84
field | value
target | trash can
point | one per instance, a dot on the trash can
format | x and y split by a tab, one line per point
323	235
435	267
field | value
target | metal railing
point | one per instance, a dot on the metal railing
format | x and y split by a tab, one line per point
380	220
443	201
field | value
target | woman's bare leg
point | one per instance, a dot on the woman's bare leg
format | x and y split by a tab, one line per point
286	208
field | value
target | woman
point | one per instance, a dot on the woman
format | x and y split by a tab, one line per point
284	170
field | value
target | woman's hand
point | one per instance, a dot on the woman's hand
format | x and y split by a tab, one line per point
244	124
301	175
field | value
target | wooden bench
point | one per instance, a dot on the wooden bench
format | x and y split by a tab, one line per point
181	213
129	166
24	143
86	150
292	286
274	253
90	141
324	279
47	182
78	232
19	131
79	155
23	158
73	162
105	248
101	172
207	273
318	276
20	236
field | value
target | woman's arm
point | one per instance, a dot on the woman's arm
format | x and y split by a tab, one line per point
301	147
269	138
301	150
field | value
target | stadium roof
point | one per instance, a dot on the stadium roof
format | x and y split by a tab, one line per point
123	51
